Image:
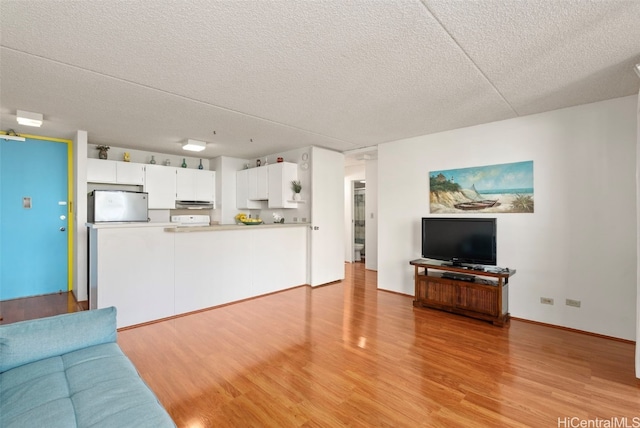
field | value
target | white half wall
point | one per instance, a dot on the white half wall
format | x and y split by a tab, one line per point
580	243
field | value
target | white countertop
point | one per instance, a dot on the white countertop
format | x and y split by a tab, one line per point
126	224
173	227
221	227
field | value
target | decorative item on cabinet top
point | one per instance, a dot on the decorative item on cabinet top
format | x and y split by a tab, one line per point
102	151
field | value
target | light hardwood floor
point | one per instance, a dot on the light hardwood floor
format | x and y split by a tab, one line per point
347	354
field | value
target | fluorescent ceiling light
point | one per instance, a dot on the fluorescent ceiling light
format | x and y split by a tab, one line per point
637	69
194	145
12	137
29	119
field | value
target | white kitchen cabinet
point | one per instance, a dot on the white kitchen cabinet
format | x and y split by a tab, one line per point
280	177
242	191
263	183
130	173
114	172
160	184
258	180
101	171
206	186
195	185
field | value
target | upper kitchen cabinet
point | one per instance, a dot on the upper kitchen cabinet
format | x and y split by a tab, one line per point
280	177
242	191
258	180
115	172
160	184
195	185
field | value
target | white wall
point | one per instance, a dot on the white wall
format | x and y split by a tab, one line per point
80	250
371	206
226	168
351	173
581	241
638	241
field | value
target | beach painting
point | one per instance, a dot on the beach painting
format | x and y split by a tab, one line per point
502	188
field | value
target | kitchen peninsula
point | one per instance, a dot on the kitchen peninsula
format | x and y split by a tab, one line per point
153	271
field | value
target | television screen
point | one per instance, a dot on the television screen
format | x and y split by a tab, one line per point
459	240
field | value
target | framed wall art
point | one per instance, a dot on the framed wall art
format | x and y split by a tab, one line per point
501	188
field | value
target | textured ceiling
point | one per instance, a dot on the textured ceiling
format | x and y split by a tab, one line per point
270	76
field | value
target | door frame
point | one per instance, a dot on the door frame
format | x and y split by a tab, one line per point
70	199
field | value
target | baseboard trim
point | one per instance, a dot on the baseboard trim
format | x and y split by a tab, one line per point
574	330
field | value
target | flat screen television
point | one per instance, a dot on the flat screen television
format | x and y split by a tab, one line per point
459	240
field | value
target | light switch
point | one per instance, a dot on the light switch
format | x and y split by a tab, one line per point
26	202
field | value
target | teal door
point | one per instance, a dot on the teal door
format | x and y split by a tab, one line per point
33	218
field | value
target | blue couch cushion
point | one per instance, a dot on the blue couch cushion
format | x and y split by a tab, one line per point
68	371
96	386
29	341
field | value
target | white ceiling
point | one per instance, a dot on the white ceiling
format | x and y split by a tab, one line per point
290	73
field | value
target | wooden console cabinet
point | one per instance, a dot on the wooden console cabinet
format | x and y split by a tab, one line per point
486	298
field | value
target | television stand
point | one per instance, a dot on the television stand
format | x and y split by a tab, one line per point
484	296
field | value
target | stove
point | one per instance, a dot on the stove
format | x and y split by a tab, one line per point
191	220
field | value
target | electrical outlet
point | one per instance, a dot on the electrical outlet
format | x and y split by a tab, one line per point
295	219
304	219
574	303
546	300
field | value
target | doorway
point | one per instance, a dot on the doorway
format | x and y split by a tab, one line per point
34	217
359	220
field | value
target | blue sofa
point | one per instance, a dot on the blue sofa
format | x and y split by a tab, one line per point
68	371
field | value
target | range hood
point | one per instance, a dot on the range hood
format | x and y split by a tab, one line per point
195	205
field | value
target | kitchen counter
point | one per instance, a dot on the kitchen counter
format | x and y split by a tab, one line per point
126	224
152	271
219	227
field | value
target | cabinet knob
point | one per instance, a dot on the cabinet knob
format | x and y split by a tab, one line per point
62	229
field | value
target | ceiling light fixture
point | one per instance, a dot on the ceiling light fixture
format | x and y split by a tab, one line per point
637	69
11	135
194	145
29	119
